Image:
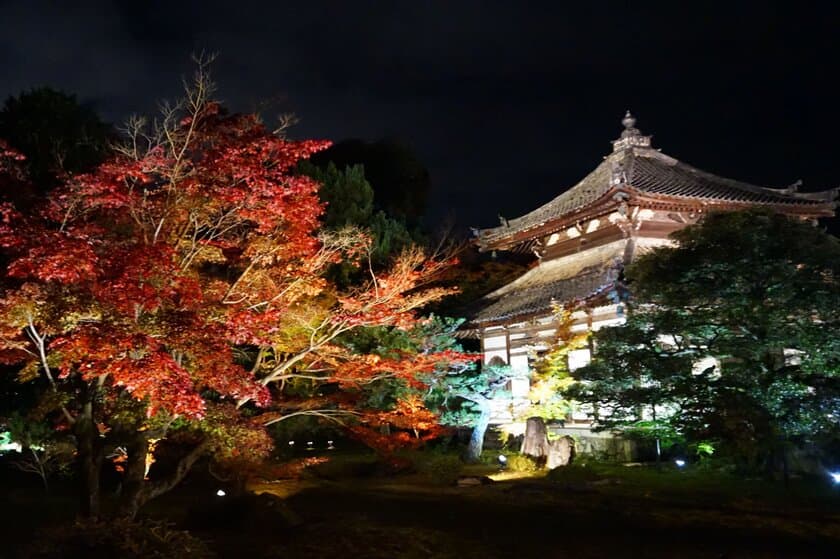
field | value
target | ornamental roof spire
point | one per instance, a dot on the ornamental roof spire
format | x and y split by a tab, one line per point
630	136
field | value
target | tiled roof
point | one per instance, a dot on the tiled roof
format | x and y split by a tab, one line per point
635	166
592	187
654	173
536	291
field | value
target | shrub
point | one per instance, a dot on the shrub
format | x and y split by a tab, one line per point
439	468
345	466
126	539
522	463
573	473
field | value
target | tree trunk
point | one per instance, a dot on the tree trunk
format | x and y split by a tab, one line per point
39	463
138	491
785	465
476	445
535	443
89	457
658	442
133	477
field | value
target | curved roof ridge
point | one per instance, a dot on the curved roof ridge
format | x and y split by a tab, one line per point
637	167
589	188
684	180
537	299
785	192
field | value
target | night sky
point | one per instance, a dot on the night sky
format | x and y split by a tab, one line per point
507	103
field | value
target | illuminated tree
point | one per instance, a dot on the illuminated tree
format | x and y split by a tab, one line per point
732	337
349	201
108	302
174	302
463	391
550	379
551	371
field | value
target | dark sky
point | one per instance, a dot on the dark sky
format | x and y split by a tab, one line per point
507	103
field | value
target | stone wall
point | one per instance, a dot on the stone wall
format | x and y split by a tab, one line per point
602	446
599	445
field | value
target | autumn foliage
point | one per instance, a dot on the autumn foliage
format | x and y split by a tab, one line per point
178	293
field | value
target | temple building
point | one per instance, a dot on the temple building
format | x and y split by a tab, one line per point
584	237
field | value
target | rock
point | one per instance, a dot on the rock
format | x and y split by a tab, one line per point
605	481
560	452
472	481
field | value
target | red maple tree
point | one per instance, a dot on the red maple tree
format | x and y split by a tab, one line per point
170	297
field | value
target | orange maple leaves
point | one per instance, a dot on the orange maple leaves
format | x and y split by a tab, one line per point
145	275
123	257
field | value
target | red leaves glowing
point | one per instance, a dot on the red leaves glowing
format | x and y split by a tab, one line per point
392	298
152	268
136	258
10	161
144	279
409	367
58	258
136	363
147	369
410	424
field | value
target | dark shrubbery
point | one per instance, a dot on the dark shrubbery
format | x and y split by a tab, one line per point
574	474
439	468
126	539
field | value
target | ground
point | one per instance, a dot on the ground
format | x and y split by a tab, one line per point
605	511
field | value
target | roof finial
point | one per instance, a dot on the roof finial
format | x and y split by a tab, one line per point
630	136
629	122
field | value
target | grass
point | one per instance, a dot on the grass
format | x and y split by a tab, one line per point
604	508
354	507
699	486
641	512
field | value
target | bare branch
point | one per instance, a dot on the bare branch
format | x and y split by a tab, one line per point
330	415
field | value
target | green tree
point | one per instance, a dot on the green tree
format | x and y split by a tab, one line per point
44	451
732	336
55	132
462	393
551	371
398	177
348	195
350	202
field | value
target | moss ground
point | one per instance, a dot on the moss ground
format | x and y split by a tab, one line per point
357	511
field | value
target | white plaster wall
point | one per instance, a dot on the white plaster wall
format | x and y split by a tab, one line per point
495	342
519	364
